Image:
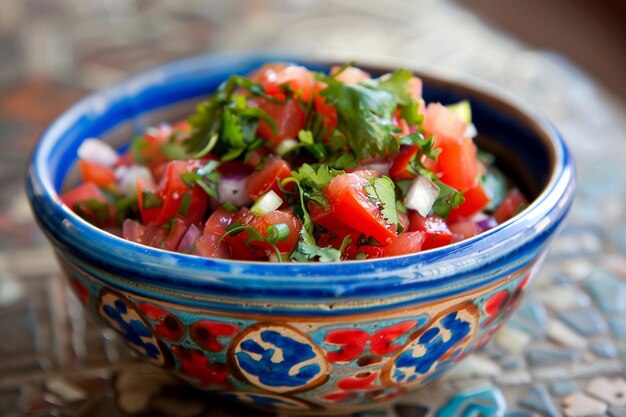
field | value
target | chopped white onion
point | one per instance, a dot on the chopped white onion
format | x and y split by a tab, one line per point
422	195
96	151
232	189
269	201
470	131
127	176
286	146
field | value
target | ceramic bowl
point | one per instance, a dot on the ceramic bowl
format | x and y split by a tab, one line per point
302	338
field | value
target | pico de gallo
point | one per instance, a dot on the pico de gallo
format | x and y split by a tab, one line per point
287	164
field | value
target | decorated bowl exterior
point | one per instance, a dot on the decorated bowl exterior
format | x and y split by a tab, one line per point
300	337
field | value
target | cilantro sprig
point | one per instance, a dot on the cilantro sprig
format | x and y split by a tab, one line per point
274	234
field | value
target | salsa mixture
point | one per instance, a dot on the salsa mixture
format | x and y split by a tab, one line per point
288	164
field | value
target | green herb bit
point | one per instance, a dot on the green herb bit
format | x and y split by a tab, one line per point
382	191
151	200
230	207
277	233
364	117
184	204
173	151
311	181
306	137
94	211
137	147
448	199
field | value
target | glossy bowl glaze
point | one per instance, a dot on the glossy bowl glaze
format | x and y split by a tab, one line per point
307	338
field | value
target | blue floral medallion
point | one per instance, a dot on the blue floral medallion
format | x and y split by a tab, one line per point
279	358
124	317
446	336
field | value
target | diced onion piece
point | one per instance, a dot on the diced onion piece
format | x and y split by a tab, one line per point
269	201
484	222
286	146
97	151
232	189
470	131
422	195
127	176
463	110
189	238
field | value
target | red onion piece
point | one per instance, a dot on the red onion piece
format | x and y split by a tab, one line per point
232	189
189	238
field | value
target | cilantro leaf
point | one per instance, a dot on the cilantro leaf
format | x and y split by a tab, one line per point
448	199
364	117
312	181
382	191
308	250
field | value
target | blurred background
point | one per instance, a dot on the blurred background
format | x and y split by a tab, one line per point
565	58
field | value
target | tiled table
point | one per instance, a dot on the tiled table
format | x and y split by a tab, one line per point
564	351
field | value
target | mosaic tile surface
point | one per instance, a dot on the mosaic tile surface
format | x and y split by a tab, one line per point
562	354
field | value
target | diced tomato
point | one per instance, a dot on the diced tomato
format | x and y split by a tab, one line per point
323	217
299	79
458	163
218	221
371	251
401	161
146	235
350	75
172	189
513	202
257	156
289	118
150	147
96	173
240	249
435	229
148	215
442	122
326	110
175	235
260	182
267	76
85	193
463	230
281	216
475	200
235	167
349	201
405	243
214	229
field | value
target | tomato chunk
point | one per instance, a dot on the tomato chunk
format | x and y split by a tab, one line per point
442	122
475	200
260	182
405	243
289	118
90	202
96	173
350	203
398	169
458	163
435	229
512	204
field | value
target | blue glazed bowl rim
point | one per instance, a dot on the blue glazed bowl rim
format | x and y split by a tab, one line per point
434	268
